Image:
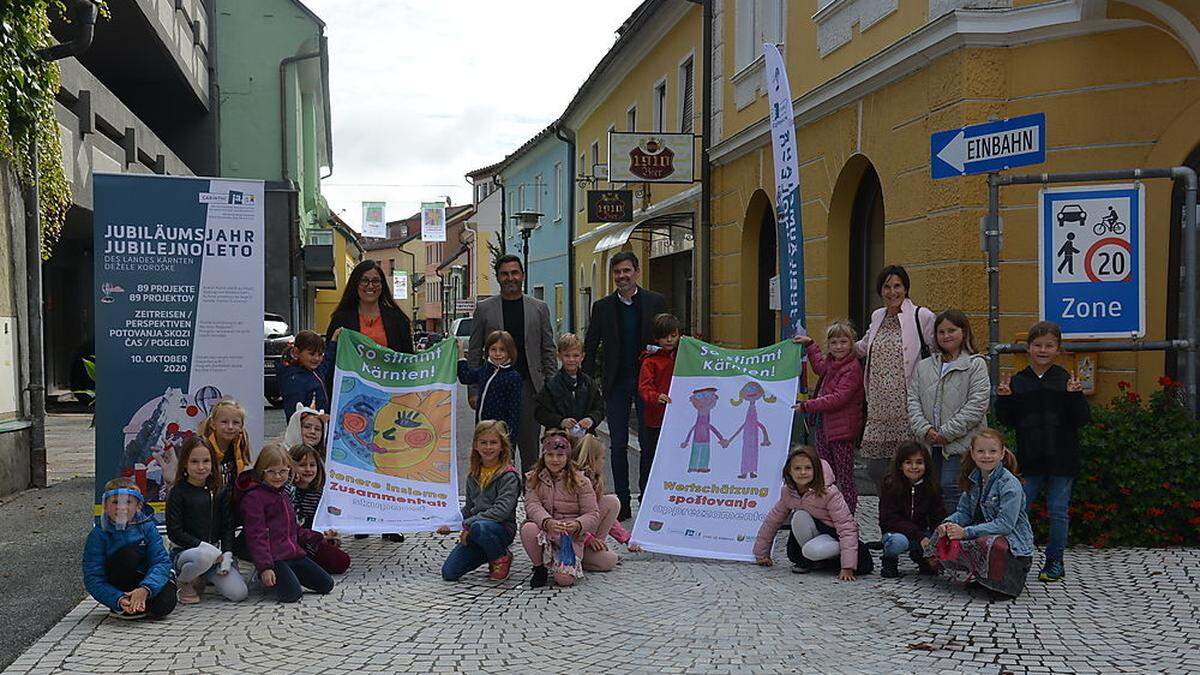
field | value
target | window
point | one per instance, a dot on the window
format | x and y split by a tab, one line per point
537	193
320	238
539	292
757	22
687	96
631	119
595	156
660	105
521	198
558	190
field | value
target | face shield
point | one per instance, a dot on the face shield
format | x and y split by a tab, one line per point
122	507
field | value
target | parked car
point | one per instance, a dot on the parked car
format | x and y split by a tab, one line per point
274	325
461	330
273	350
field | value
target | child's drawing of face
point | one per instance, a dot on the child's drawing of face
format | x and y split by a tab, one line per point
704	400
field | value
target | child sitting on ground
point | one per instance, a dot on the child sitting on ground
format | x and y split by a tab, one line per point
910	507
276	543
308	482
559	500
200	525
225	430
989	538
490	511
822	526
571	399
307	427
125	565
589	458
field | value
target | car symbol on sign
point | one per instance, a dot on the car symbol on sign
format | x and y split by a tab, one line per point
1072	213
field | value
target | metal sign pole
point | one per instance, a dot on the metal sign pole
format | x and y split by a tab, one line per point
992	238
1189	294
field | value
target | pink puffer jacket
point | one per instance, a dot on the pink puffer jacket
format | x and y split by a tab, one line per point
841	395
829	508
552	499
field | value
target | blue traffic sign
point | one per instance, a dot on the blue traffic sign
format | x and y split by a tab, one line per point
1091	246
991	146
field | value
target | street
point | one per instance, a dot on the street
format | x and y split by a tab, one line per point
1123	610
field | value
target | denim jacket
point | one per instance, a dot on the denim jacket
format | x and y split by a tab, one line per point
1003	510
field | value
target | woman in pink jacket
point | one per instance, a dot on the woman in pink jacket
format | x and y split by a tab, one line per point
822	525
558	499
835	410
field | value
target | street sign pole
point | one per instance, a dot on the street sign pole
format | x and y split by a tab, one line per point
1179	174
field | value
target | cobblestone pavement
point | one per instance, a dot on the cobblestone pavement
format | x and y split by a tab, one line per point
1118	611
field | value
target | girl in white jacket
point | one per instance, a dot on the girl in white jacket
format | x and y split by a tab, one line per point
948	399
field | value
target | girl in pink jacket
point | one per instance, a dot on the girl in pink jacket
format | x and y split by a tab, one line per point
822	525
835	410
559	500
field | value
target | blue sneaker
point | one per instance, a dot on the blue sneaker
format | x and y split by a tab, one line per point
1053	570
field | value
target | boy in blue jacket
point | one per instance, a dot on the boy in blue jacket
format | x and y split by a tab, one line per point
304	373
125	565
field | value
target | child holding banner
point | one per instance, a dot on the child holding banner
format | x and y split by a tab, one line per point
200	525
589	458
822	525
500	384
275	541
560	507
837	404
225	430
490	511
654	385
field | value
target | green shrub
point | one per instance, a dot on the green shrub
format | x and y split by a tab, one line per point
1139	482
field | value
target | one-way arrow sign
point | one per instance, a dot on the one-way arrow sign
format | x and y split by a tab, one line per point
980	148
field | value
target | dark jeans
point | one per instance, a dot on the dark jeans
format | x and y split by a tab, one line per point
1058	498
292	575
649	443
122	572
487	542
624	393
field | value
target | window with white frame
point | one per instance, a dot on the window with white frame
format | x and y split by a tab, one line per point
521	198
558	190
631	119
579	185
537	193
660	106
687	96
595	156
757	22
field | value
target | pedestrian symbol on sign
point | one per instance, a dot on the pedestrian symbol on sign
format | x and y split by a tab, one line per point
1068	252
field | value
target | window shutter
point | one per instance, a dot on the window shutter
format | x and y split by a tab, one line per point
688	94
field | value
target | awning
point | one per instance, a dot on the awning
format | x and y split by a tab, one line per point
643	230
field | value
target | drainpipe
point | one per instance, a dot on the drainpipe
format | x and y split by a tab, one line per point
474	250
283	117
569	139
84	15
702	271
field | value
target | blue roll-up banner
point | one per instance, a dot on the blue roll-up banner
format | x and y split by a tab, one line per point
790	230
179	318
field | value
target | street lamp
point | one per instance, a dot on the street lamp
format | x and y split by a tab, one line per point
527	222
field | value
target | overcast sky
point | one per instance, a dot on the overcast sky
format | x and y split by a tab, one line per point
426	90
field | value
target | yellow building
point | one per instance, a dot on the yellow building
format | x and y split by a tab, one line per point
647	82
348	251
1118	81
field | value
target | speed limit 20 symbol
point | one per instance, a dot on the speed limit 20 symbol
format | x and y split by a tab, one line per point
1109	259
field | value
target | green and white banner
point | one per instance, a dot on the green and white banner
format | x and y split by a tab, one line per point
718	467
391	457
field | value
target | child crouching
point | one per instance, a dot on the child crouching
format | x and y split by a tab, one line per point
560	507
822	526
490	512
125	565
910	507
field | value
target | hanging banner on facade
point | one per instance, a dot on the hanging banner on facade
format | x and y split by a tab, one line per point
433	221
399	285
374	222
610	206
650	158
717	470
179	317
790	231
391	462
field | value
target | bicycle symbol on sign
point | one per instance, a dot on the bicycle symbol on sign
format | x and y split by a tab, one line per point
1109	223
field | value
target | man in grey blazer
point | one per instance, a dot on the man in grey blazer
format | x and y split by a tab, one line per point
528	320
